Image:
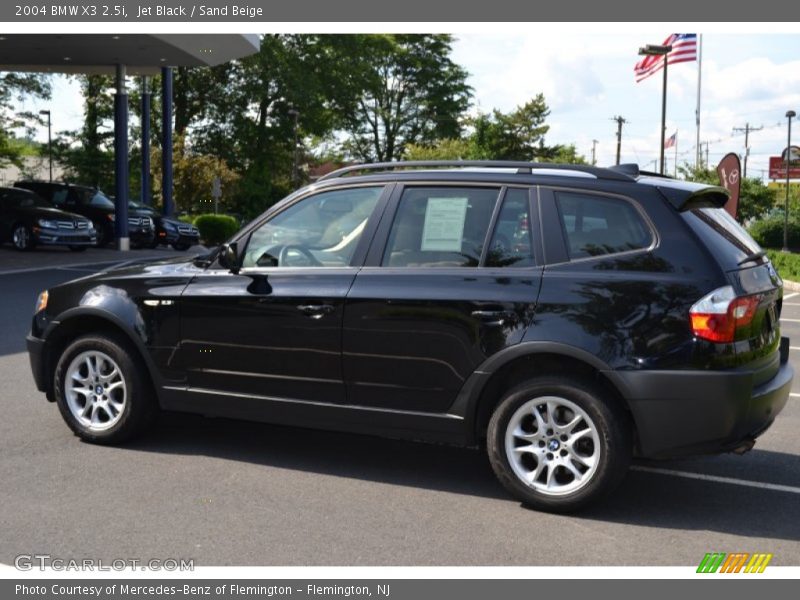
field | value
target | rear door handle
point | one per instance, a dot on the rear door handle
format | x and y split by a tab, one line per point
315	311
494	317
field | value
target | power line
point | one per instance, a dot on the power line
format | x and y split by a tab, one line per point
747	129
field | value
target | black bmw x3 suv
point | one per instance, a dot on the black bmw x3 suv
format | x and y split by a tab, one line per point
569	318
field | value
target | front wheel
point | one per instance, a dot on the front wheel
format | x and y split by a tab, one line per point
558	444
22	238
102	390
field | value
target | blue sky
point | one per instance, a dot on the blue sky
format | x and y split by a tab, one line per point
588	78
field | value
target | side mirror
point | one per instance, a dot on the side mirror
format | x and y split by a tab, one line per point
228	257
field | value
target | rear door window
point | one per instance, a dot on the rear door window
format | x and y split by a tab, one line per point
511	244
595	225
440	227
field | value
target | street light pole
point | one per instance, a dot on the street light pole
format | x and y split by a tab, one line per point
49	142
789	115
295	174
657	50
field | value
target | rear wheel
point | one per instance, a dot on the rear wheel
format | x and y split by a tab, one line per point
22	238
102	390
559	444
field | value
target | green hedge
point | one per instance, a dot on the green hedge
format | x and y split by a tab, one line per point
215	229
786	263
769	232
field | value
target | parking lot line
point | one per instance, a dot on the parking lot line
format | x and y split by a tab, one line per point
67	266
717	479
791	295
790	320
793	395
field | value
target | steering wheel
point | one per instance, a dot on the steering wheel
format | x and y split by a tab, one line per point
284	255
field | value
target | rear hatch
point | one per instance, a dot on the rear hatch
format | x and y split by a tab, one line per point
757	288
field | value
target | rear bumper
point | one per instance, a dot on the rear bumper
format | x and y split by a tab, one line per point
679	413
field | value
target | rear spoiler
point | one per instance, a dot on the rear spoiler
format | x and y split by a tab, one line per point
706	197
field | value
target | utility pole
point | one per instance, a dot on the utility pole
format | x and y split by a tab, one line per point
594	152
706	155
747	129
620	121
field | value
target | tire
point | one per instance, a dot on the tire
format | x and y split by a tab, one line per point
77	248
22	238
127	406
598	445
102	234
180	247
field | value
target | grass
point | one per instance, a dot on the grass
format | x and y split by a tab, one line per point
786	263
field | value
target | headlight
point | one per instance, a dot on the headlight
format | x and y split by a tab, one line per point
48	224
151	222
41	302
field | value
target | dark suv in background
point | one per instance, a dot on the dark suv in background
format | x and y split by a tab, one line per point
168	231
95	206
567	317
27	220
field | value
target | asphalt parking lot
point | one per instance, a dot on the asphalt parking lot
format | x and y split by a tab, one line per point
232	493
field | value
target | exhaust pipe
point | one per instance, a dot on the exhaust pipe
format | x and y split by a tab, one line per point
744	447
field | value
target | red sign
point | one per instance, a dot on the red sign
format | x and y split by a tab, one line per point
777	168
729	171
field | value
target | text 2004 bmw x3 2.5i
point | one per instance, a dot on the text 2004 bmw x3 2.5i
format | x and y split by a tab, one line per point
567	317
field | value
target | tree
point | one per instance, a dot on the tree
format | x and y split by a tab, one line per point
87	154
563	154
14	87
517	135
449	149
193	177
403	89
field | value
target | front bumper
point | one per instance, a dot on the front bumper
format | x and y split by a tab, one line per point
140	236
166	236
36	357
53	237
680	413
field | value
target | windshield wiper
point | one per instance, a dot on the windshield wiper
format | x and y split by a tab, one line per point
752	257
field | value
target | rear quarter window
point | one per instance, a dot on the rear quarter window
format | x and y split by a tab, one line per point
595	225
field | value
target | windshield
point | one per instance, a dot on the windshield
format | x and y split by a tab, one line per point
141	207
91	197
30	201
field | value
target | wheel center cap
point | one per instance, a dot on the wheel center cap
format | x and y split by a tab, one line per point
98	390
553	445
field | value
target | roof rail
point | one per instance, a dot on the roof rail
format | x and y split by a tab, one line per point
522	167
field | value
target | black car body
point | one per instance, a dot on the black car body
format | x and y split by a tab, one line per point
168	231
27	220
449	305
95	206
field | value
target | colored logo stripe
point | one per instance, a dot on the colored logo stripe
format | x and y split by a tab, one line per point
734	563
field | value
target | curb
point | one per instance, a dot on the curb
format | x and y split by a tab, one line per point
792	286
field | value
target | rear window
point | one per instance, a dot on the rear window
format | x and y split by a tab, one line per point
722	235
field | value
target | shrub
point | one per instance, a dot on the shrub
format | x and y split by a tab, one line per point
769	232
215	229
786	263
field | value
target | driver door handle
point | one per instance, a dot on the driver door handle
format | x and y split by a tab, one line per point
315	311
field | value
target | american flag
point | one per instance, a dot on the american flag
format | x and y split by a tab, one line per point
684	49
671	140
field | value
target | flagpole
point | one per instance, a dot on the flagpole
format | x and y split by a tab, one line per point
675	169
697	111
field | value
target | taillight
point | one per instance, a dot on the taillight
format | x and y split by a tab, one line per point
717	316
